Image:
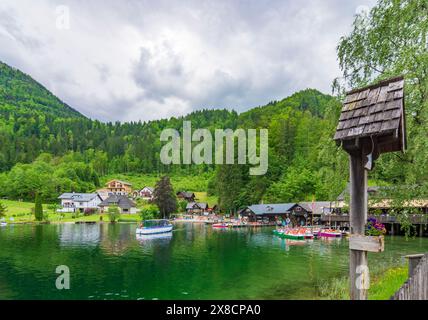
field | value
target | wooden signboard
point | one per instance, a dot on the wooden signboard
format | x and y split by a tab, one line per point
367	243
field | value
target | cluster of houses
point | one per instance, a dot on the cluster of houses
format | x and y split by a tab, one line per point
120	193
116	193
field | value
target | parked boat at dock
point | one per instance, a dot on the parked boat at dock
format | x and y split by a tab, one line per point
220	225
294	233
330	233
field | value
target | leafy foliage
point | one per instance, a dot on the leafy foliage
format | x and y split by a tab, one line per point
38	208
113	213
164	197
46	146
149	212
3	210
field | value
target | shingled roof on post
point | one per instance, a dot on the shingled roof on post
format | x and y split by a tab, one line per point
374	116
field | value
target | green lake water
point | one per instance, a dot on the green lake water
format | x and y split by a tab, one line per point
108	261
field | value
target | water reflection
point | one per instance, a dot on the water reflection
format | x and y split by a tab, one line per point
79	235
108	261
147	238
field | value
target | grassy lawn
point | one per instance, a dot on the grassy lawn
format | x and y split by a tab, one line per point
20	212
382	285
203	197
388	283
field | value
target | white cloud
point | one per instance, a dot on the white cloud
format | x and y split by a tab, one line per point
131	60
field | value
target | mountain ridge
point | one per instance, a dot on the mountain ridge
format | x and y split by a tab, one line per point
21	90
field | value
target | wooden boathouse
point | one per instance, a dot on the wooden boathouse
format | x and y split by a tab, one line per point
301	213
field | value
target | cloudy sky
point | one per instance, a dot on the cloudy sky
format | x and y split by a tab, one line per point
135	59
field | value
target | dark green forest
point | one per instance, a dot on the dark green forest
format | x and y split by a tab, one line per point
48	147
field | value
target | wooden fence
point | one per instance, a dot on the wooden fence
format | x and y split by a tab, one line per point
416	287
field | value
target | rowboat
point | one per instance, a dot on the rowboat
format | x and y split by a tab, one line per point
154	227
329	233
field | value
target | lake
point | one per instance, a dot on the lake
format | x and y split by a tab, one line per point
108	261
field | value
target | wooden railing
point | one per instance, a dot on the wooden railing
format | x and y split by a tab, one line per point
416	287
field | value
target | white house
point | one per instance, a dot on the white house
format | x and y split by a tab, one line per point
73	202
146	193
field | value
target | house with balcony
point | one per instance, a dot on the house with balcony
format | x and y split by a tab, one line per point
146	193
79	202
119	187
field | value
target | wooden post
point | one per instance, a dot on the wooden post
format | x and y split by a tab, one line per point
414	260
358	216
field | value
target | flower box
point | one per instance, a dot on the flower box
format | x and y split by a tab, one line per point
367	243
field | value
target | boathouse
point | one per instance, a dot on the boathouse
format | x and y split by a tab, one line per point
298	214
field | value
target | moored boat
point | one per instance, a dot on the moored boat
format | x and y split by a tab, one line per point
154	227
293	233
329	233
3	224
220	225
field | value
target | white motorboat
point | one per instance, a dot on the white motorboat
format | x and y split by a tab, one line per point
3	224
154	227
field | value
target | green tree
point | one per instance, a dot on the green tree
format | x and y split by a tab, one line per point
164	197
182	206
3	210
149	212
38	208
113	213
392	40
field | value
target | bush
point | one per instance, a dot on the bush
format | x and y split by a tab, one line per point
3	210
90	211
149	212
75	214
113	213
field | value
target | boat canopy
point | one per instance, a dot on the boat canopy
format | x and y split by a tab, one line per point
155	223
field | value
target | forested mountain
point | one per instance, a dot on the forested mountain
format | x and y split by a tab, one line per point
21	93
40	136
48	147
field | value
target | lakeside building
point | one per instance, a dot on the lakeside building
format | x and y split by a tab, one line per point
79	202
119	187
124	204
146	193
104	193
197	208
187	196
302	213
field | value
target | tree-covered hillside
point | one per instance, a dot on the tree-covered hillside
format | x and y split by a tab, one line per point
20	91
45	145
42	149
